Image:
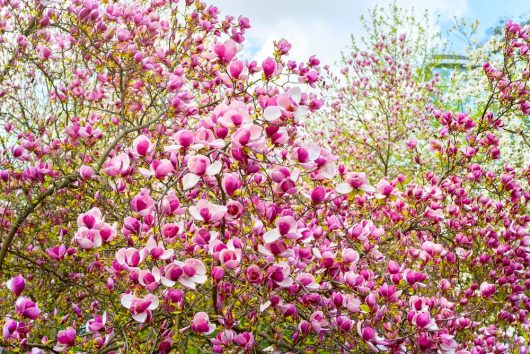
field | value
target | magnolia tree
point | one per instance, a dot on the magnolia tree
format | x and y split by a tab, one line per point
468	88
380	97
158	196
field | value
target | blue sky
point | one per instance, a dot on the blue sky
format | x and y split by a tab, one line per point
323	27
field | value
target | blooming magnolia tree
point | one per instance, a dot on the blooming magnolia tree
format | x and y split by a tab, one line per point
158	196
380	98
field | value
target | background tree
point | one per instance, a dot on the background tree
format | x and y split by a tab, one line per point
382	97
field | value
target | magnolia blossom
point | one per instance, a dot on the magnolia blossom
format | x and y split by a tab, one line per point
170	204
233	115
225	51
142	203
194	272
286	226
199	166
245	340
229	256
201	324
157	251
57	252
280	275
65	338
158	168
307	281
140	308
97	323
27	308
16	285
93	230
150	279
129	257
355	181
117	165
14	329
231	183
184	139
142	146
207	212
251	136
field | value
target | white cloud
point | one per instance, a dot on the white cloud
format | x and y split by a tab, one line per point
317	26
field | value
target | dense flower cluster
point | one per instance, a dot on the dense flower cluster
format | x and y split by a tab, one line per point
161	195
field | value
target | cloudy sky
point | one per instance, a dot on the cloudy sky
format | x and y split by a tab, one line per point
322	27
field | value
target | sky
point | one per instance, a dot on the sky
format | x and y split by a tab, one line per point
323	27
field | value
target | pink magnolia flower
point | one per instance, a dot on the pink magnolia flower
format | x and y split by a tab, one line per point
384	189
140	308
97	324
276	248
92	219
307	281
117	165
201	324
27	308
269	67
235	68
290	100
272	113
123	35
487	289
245	340
142	146
199	166
194	272
170	204
108	232
233	115
206	138
158	168
306	154
318	195
86	172
43	52
344	323
349	255
142	203
150	279
230	257
207	212
225	51
57	252
254	274
66	337
250	136
284	46
280	275
448	344
184	139
93	231
286	226
231	183
88	238
371	337
157	251
318	322
354	181
129	257
16	285
14	329
423	320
